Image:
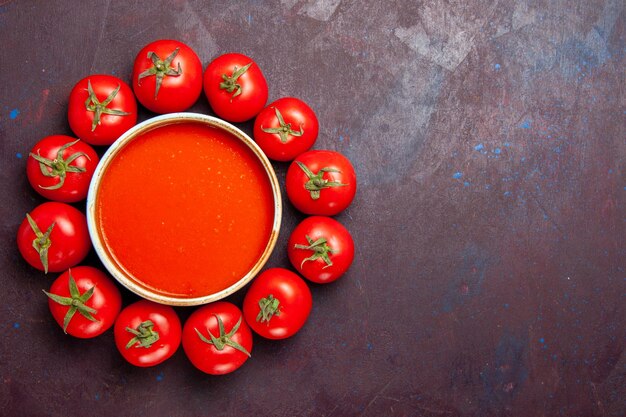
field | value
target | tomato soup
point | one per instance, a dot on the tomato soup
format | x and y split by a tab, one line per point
185	209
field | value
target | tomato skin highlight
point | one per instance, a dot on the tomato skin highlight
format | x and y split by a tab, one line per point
106	300
207	357
295	303
70	242
297	115
253	91
166	324
176	93
338	239
333	168
111	126
76	184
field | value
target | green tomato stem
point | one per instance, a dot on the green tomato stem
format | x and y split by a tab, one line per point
224	339
316	182
59	166
76	301
42	241
269	308
160	69
284	130
92	104
320	249
145	335
230	83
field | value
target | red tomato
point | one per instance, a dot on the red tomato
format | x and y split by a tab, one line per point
321	249
167	76
84	301
286	128
101	108
216	339
235	87
54	237
60	168
147	333
277	304
321	182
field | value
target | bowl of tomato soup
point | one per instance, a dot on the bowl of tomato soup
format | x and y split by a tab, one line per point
184	209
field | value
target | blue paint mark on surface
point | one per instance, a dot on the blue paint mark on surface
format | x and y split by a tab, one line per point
97	396
525	124
468	278
466	184
497	151
507	144
160	377
14	113
610	171
507	193
340	138
16	325
370	346
497	67
249	19
457	175
542	340
505	375
506	305
18	155
478	147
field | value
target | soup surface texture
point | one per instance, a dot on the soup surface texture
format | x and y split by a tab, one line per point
186	209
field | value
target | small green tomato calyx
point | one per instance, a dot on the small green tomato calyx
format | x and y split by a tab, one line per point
224	339
41	242
160	69
269	308
320	249
59	166
76	302
230	83
316	182
284	130
145	335
93	104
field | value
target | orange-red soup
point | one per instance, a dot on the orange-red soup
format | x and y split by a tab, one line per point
185	209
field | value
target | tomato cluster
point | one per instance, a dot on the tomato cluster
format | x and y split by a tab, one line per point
217	338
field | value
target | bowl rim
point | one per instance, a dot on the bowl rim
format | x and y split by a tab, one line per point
110	154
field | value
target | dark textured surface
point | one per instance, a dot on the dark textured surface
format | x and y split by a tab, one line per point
489	140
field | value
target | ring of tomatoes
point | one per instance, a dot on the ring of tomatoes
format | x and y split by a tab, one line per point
167	77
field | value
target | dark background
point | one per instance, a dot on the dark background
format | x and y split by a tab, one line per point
489	141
